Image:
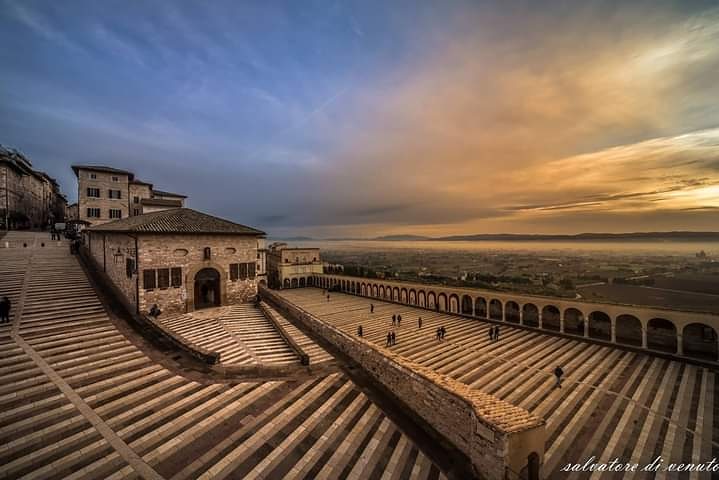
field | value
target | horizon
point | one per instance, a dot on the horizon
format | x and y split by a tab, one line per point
348	119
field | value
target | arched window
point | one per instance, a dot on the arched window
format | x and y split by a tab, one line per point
207	253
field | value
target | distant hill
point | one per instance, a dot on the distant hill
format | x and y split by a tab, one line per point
587	236
402	238
293	239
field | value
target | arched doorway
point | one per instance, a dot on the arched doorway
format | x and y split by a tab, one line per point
662	335
550	318
302	282
600	326
700	341
207	288
511	312
573	322
530	315
467	305
495	310
628	330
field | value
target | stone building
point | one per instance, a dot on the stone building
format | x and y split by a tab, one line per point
179	259
28	198
108	193
289	267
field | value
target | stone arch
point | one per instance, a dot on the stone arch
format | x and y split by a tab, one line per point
422	299
286	283
395	294
600	326
511	311
412	297
551	319
207	284
431	300
480	307
363	289
403	295
190	279
496	311
699	341
467	305
302	282
375	291
530	315
628	330
453	303
294	283
381	291
442	302
573	322
662	335
388	292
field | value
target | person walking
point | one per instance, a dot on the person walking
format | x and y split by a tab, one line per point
328	297
496	332
359	331
558	373
439	334
5	306
491	333
394	320
419	322
399	320
443	332
394	338
389	339
371	308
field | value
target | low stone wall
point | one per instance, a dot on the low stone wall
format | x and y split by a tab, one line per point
304	358
496	436
206	356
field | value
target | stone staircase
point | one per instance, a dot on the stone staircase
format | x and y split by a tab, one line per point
613	403
79	400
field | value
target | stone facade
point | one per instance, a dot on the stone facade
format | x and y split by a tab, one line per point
167	251
91	181
138	192
28	198
292	267
498	438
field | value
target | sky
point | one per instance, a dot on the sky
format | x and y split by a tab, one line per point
341	118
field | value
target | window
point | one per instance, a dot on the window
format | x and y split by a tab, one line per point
176	274
207	253
93	213
163	277
93	176
114	193
234	271
129	267
148	279
115	179
251	270
136	211
135	199
93	192
115	213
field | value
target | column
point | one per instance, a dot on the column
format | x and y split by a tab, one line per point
680	344
561	321
586	325
540	314
521	315
644	337
613	327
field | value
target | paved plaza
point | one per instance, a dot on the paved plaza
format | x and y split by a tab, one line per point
80	400
613	402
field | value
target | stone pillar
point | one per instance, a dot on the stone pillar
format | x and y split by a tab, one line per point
540	314
586	326
680	344
613	328
561	322
521	315
644	337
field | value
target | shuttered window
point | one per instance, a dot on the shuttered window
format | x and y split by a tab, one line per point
148	279
176	274
163	277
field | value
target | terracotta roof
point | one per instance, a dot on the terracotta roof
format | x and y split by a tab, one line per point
167	194
161	202
178	221
137	181
102	168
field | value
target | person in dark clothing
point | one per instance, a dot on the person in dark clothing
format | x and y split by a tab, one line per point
359	331
371	308
5	306
491	333
328	297
394	320
558	373
443	332
389	338
399	320
155	311
439	334
419	322
394	338
496	332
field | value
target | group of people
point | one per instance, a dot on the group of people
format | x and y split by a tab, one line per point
494	332
397	320
391	338
55	235
441	333
5	306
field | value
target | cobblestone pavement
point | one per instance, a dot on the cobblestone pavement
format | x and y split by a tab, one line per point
78	400
612	403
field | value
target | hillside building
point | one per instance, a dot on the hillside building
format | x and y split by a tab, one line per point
289	267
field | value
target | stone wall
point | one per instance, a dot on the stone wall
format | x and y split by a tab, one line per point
496	436
104	182
110	252
187	252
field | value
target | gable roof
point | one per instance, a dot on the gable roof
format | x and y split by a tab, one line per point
161	202
167	194
176	221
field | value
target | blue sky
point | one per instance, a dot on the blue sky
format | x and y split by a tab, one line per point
365	118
